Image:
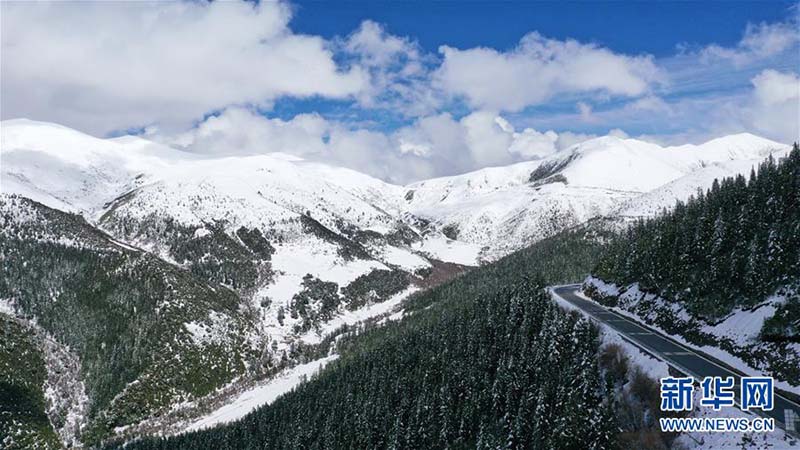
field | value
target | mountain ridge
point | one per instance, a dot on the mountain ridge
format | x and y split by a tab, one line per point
487	213
294	248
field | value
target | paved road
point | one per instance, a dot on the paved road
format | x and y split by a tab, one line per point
676	355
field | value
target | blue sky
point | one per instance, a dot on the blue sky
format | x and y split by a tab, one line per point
404	90
661	29
657	28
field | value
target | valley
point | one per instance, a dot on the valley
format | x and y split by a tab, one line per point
241	268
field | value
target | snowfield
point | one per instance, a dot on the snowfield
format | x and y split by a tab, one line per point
506	208
657	369
135	189
495	210
741	326
336	224
261	395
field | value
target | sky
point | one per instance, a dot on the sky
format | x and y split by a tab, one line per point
404	90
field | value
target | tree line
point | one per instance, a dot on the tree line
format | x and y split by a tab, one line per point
730	246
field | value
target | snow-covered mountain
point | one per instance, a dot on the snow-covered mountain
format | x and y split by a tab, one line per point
740	162
332	223
506	208
59	166
307	247
136	189
486	214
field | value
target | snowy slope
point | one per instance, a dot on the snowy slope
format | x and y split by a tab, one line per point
501	210
68	167
261	395
506	208
633	165
651	203
132	178
333	223
489	212
261	224
63	168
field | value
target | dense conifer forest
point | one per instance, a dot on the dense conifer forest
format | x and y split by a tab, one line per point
22	377
729	247
120	310
484	361
500	368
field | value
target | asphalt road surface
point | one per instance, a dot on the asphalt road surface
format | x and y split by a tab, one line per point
681	358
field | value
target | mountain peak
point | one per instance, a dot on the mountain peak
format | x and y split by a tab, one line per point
742	139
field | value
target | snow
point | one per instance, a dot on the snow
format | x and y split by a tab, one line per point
201	232
352	317
7	306
291	262
65	391
652	203
499	207
633	165
510	218
744	326
58	166
403	258
653	367
261	395
622	164
444	249
656	369
66	169
198	331
746	321
496	210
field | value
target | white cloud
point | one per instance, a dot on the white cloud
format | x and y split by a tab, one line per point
377	48
238	131
616	132
443	140
585	110
100	66
366	151
538	69
479	139
759	41
775	105
398	70
487	142
770	108
773	87
650	103
567	139
431	146
531	144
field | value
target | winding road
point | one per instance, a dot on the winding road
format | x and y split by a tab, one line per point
683	359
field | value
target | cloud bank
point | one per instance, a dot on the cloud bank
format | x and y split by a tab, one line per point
431	146
538	69
205	77
101	66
